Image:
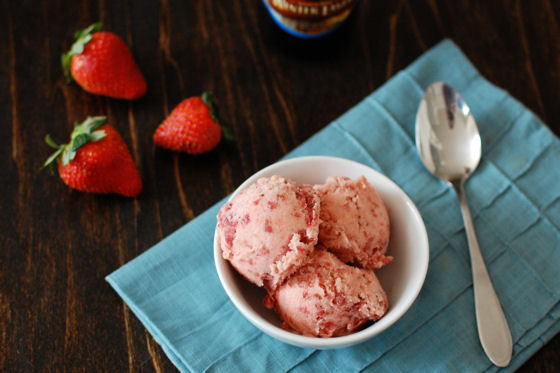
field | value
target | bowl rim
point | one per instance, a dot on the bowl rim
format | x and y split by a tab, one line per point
316	342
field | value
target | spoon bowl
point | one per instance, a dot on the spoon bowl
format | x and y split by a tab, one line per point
447	137
449	145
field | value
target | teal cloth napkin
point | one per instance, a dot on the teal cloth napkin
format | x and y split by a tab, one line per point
514	197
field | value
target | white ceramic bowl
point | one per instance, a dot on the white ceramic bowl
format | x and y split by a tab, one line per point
402	279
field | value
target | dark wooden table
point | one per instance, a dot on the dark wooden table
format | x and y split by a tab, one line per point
56	311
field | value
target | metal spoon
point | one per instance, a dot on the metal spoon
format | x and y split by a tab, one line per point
449	144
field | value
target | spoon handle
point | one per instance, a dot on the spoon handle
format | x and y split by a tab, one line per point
493	329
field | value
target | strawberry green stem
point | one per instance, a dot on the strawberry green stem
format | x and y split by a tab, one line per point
82	38
84	132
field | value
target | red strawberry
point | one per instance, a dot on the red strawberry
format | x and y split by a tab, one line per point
102	64
96	160
191	127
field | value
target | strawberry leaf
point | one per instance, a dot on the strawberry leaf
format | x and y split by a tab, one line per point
78	48
50	142
89	125
66	60
208	99
67	156
97	135
79	140
82	38
59	149
88	30
84	132
52	158
228	135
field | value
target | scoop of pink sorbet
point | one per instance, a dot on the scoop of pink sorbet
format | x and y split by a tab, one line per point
354	222
268	230
328	298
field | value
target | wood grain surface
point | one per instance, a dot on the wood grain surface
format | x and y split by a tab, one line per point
56	311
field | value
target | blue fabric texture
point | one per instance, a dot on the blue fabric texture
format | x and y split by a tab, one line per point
174	290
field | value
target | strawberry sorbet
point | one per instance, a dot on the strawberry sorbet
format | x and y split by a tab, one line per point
313	248
268	230
354	222
327	298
